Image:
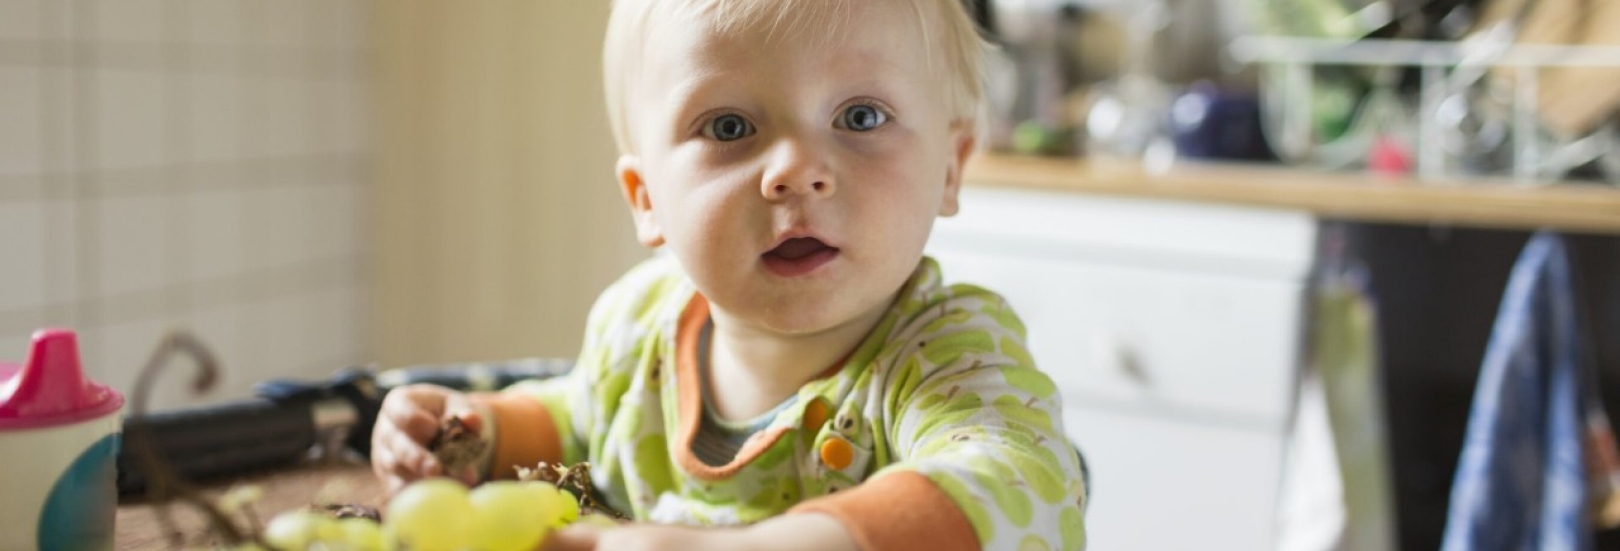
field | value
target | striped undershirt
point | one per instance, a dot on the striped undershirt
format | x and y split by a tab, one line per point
718	440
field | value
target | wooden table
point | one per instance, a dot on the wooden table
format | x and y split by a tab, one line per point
138	528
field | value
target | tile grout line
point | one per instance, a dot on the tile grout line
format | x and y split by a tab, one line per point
58	186
245	177
86	313
263	284
294	170
47	151
178	136
139	55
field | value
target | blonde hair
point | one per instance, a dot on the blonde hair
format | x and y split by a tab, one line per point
957	38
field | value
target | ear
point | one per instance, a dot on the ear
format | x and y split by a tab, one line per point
635	196
962	142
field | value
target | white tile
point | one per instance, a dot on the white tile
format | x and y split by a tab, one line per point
330	329
219	328
337	221
113	354
21	19
14	346
341	24
287	119
256	108
334	222
216	235
341	115
132	237
214	116
22	250
130	114
118	352
272	339
55	112
281	23
61	252
279	234
59	18
130	20
62	317
21	126
214	22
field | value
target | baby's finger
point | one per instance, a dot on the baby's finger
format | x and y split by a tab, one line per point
467	475
410	457
412	419
469	418
388	470
393	484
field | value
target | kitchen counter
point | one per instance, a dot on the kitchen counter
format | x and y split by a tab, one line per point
138	528
1487	203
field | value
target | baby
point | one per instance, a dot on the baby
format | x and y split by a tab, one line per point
793	374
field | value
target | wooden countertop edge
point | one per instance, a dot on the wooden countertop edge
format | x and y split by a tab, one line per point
1477	203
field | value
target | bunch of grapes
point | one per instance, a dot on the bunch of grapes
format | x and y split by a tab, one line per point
437	514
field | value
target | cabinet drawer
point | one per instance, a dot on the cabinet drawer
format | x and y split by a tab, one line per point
1169	486
1210	348
1202	238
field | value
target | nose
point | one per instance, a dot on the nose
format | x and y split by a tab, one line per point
797	168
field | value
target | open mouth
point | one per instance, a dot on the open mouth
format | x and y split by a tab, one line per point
798	256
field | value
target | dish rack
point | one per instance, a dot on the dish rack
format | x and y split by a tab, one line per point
1473	96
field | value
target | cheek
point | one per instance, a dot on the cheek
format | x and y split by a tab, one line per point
700	207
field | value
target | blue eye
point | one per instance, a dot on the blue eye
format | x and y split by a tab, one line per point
862	118
727	128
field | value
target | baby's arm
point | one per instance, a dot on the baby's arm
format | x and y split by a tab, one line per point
807	532
528	424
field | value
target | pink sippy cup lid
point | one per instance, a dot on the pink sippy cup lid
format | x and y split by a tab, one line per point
50	389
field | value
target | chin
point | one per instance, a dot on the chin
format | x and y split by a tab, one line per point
795	318
798	324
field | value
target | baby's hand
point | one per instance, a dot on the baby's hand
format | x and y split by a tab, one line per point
409	419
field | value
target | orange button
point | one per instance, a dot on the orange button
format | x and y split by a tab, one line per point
815	414
837	453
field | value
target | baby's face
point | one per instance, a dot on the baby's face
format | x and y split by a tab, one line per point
795	177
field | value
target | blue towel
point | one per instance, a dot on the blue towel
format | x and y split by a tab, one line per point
1521	481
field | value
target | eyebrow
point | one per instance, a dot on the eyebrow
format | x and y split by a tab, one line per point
679	98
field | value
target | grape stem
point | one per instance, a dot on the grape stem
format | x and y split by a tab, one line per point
577	477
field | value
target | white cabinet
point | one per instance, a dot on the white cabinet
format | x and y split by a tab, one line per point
1173	331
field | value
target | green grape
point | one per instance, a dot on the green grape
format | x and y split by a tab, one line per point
431	515
565	505
557	505
596	519
330	532
295	530
512	516
357	534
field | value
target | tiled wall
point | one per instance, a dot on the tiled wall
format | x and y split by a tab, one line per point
185	163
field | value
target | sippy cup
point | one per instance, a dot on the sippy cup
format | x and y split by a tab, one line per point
59	440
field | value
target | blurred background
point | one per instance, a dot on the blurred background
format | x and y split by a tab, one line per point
305	184
1185	199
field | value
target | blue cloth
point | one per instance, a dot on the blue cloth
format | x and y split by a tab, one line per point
1521	482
